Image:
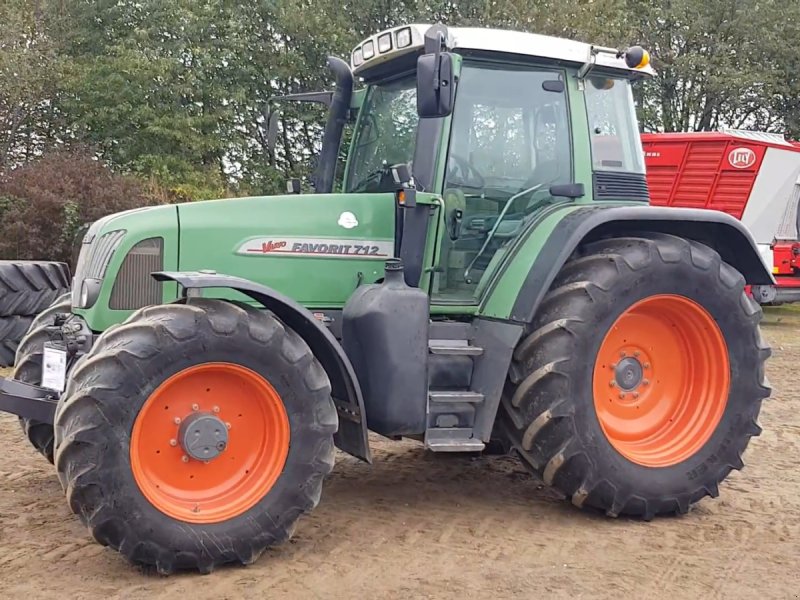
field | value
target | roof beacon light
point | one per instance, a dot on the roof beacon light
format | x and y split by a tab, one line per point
637	57
358	57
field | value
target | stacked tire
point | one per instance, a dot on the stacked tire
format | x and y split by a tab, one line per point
27	288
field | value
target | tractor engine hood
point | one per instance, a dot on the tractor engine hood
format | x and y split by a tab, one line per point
314	248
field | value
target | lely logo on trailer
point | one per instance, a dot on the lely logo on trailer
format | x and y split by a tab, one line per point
742	158
330	247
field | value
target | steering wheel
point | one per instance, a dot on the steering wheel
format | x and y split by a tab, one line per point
465	169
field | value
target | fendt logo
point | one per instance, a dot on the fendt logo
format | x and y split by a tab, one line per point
742	158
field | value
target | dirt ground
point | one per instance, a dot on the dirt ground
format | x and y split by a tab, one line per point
416	525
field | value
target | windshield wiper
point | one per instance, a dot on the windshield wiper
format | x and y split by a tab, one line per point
370	178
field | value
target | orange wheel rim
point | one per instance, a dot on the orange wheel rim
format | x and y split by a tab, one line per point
661	380
170	469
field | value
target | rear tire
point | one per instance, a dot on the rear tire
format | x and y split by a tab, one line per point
28	369
573	422
128	481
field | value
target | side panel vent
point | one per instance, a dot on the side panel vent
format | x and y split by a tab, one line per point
620	186
134	288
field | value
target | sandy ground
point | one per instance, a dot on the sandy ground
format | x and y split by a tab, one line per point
416	525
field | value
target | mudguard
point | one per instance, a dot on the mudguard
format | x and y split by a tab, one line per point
352	434
720	231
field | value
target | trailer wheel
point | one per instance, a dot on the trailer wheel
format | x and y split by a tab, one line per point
195	435
28	368
639	384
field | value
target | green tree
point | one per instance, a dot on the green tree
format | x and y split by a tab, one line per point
28	82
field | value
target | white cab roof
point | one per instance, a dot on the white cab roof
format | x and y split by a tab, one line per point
495	40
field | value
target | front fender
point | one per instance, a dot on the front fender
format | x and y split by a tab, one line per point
352	434
519	288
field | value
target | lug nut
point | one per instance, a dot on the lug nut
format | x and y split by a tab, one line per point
195	407
635	394
185	458
177	420
645	382
215	409
612	383
173	442
622	354
622	396
646	365
228	425
636	353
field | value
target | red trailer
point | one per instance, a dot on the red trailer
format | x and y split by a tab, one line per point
753	176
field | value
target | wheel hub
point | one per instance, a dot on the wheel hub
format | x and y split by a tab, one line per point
203	436
628	373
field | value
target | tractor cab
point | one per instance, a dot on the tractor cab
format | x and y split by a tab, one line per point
502	126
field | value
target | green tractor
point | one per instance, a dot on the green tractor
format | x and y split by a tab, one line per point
489	275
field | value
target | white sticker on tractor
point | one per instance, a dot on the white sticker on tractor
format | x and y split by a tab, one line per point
329	247
348	220
54	367
742	158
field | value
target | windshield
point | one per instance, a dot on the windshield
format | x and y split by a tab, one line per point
616	145
386	134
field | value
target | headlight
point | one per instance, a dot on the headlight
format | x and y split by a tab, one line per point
404	37
90	290
385	43
368	50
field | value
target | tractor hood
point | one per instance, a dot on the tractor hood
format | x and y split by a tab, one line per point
315	248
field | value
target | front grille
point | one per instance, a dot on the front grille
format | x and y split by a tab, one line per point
133	286
94	258
609	185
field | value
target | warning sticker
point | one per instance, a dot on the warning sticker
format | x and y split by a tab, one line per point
330	247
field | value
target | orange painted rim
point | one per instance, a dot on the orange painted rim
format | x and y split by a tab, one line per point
227	486
661	412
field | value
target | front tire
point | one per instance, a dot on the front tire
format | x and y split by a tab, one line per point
125	449
639	384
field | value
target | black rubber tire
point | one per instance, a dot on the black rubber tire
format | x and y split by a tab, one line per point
547	409
106	391
28	368
12	330
29	287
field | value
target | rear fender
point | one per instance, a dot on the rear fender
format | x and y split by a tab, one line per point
718	230
352	434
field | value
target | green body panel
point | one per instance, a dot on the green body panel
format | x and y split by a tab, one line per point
504	293
216	235
158	221
314	281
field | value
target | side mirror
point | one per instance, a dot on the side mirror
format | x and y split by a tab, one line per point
435	85
293	186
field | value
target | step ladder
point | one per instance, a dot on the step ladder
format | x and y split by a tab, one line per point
452	405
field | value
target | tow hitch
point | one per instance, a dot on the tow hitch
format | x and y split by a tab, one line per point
28	401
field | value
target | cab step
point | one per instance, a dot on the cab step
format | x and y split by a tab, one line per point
453	348
449	396
452	439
